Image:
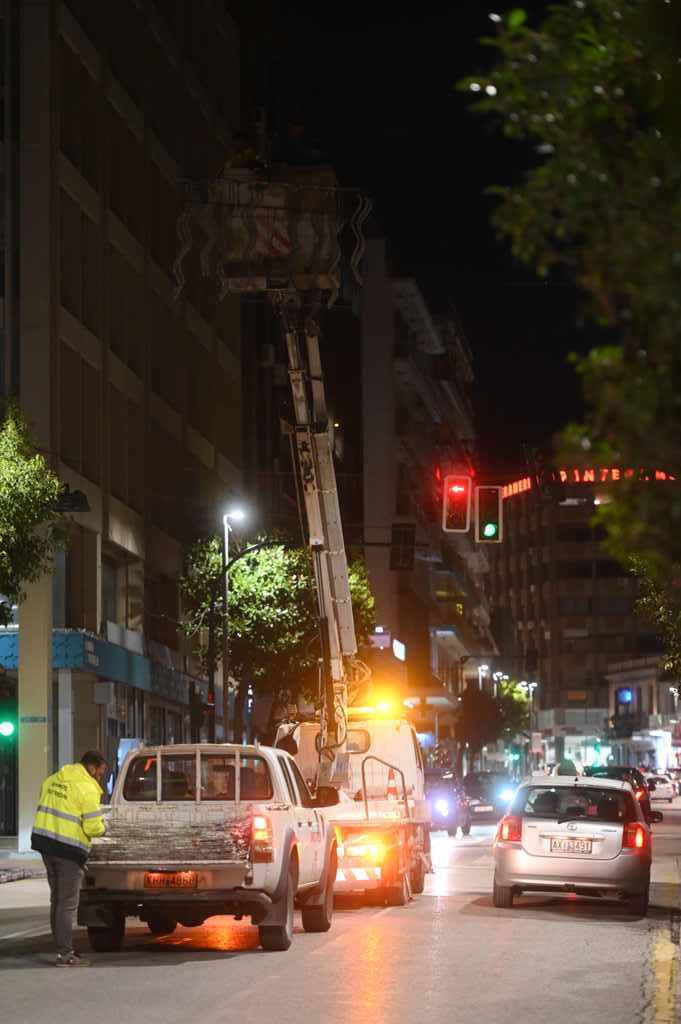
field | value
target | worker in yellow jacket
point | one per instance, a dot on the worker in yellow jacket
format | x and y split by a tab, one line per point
69	816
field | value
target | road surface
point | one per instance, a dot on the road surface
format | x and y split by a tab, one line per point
449	956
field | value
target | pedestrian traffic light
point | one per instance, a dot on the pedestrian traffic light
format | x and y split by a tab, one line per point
456	504
489	524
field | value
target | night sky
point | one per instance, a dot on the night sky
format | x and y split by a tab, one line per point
375	86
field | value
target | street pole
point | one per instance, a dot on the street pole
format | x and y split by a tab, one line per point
226	718
211	668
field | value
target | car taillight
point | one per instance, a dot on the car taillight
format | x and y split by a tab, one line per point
510	829
262	849
634	837
640	793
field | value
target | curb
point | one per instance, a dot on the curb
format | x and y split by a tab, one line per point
19	874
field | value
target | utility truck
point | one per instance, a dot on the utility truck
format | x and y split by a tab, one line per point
382	821
197	830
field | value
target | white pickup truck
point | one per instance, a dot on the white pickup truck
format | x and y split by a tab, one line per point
198	830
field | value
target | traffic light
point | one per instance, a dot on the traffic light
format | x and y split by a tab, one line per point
489	519
456	504
8	715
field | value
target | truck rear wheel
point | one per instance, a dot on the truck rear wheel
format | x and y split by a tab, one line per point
161	924
397	895
319	918
418	878
107	940
278	937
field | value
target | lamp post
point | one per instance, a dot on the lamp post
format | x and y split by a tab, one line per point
674	690
482	669
528	689
235	515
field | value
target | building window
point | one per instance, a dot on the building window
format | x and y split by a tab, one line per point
79	414
109	591
79	263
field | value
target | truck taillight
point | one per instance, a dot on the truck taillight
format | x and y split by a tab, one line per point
262	849
634	836
510	829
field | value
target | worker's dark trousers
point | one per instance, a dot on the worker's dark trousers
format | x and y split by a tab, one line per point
65	878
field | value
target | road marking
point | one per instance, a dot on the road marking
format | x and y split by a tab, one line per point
32	932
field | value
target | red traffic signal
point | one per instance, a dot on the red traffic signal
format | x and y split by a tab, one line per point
456	504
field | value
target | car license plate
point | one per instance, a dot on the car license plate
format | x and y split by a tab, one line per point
483	807
170	879
570	846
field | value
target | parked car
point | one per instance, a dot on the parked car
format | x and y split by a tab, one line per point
586	836
626	773
489	794
661	787
448	803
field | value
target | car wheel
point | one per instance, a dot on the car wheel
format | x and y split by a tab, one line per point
161	924
417	878
397	895
278	937
466	829
107	940
502	895
638	903
319	918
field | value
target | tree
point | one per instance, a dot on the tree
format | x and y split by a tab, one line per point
660	606
515	708
479	720
31	528
272	622
591	96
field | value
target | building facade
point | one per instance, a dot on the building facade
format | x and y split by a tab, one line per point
430	587
133	396
565	610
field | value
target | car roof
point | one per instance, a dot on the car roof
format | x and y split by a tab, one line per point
557	781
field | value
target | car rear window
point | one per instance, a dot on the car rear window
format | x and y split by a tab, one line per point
140	780
592	802
178	778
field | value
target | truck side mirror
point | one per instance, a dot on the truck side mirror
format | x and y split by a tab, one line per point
326	796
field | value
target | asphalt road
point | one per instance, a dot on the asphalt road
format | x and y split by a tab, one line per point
449	956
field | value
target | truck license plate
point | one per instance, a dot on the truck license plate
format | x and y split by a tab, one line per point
170	879
483	808
570	846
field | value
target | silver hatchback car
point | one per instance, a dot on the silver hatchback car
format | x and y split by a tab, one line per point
573	835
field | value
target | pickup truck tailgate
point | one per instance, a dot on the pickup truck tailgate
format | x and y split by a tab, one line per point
171	835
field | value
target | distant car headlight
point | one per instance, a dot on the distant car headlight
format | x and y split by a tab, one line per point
506	794
442	807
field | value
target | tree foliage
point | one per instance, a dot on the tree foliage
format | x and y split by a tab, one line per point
483	718
272	622
31	528
590	94
659	604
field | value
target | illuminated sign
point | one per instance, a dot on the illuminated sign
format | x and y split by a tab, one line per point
591	475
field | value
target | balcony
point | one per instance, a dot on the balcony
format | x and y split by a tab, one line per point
623	726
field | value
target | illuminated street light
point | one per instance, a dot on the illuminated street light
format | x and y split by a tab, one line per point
482	669
234	515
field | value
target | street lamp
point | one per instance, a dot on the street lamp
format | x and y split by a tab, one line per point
482	669
234	515
674	690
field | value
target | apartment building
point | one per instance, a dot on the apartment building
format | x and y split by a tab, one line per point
430	587
132	394
565	609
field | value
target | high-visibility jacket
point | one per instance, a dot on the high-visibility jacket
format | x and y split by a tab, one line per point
69	814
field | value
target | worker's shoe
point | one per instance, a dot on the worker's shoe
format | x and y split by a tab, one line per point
71	960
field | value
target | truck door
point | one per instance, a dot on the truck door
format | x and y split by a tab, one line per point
304	819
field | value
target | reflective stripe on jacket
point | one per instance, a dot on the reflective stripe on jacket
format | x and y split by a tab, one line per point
69	814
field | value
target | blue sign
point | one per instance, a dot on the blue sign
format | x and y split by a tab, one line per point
625	696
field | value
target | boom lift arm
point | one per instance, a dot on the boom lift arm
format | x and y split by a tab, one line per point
320	494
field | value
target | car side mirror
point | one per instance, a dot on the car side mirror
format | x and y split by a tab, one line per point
655	817
326	796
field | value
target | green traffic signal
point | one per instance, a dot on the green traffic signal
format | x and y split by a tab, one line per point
6	729
490	530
